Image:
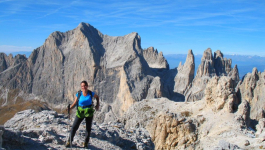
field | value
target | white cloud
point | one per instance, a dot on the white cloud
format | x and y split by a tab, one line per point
11	48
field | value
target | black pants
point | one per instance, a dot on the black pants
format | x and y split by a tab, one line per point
76	124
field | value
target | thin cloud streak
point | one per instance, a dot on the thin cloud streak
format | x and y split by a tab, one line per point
11	48
55	11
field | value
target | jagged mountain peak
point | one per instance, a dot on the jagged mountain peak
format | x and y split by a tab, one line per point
207	54
217	54
254	71
190	57
155	59
190	52
185	74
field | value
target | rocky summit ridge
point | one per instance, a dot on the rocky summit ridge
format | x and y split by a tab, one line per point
143	102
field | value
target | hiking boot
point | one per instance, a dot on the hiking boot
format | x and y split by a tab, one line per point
67	144
85	145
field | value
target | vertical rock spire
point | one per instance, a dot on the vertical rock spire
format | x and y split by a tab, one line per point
206	67
185	74
222	65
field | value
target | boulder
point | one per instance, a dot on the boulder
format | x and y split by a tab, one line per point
168	132
220	93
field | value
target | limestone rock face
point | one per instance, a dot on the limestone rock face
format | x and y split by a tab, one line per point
15	72
252	90
201	124
222	65
9	61
3	64
243	113
261	129
234	74
205	71
155	89
206	68
185	74
168	132
155	59
220	92
169	127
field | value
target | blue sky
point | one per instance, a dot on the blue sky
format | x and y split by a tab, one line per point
173	27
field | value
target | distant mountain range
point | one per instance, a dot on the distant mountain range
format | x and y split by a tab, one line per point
245	63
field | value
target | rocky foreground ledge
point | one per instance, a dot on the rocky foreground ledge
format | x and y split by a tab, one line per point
148	124
49	130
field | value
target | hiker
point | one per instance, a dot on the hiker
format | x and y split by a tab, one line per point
85	109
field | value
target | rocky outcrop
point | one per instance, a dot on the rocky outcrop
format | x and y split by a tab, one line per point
10	61
3	64
222	65
210	66
206	68
155	89
243	113
195	125
252	90
154	59
185	74
226	145
169	132
205	71
261	130
220	94
47	129
234	74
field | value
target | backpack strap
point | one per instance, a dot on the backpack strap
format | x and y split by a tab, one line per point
78	97
90	93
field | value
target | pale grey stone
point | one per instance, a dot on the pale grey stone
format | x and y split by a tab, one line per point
154	59
185	74
47	129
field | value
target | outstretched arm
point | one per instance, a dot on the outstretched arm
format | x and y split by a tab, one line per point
73	105
97	98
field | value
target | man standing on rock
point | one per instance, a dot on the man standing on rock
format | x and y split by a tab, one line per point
85	110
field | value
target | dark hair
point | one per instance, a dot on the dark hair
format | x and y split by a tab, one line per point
84	83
